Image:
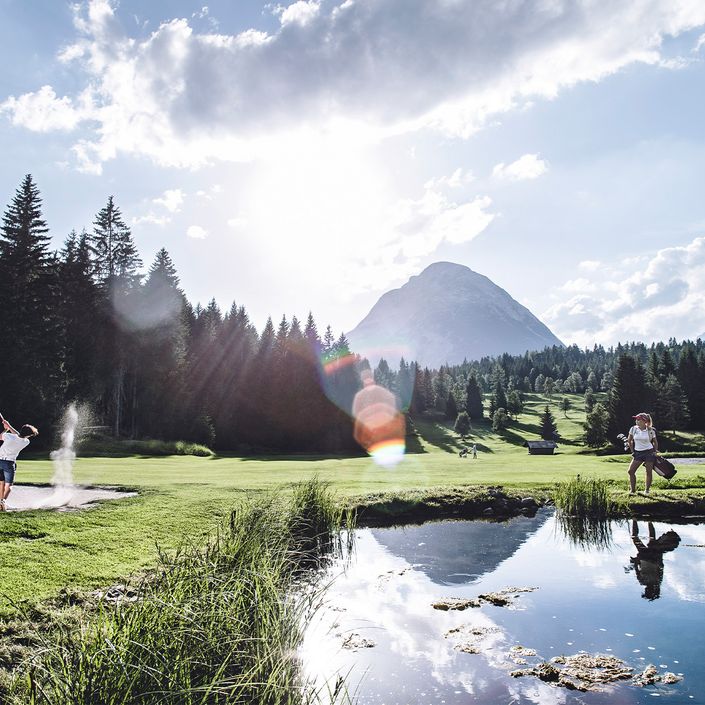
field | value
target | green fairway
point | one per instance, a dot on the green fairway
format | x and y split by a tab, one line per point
182	498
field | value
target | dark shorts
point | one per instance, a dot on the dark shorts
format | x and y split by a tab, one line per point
646	456
7	471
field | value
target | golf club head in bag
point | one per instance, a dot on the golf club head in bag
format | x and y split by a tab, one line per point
624	440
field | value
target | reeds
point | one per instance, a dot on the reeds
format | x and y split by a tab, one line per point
583	506
583	497
215	625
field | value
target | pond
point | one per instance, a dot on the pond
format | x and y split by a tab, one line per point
636	593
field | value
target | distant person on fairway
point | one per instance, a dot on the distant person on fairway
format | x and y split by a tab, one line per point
644	446
474	451
13	443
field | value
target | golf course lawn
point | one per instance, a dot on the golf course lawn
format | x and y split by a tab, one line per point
183	498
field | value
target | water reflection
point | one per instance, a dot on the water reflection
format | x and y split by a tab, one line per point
464	550
585	602
585	532
648	563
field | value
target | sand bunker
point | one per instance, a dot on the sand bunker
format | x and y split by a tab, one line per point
25	497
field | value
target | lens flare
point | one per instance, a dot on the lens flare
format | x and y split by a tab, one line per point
388	454
334	364
379	425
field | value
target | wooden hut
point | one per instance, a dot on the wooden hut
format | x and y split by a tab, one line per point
540	447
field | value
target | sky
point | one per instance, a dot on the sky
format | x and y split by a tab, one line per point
311	155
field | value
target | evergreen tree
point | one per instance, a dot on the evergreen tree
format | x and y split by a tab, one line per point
451	411
384	377
500	420
547	425
428	389
462	424
311	335
34	344
549	387
595	426
441	388
539	383
80	313
405	383
328	341
515	405
674	405
114	251
116	263
628	396
589	400
473	399
693	383
418	398
499	397
162	343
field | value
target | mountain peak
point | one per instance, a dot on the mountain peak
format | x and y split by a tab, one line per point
448	313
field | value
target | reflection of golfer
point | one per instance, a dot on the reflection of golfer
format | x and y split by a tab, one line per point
13	443
648	563
378	421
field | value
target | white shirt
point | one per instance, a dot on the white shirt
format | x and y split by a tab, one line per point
12	445
642	439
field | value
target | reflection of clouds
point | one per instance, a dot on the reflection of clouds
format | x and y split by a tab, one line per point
399	608
686	578
383	599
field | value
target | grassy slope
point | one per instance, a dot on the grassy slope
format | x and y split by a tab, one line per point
41	552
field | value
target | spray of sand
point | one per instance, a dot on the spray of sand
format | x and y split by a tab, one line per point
74	422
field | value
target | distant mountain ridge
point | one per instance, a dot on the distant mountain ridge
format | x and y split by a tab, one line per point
448	313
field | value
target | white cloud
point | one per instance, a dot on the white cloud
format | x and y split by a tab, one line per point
151	219
197	232
185	98
238	222
43	111
589	265
172	200
651	297
460	177
422	225
528	166
301	12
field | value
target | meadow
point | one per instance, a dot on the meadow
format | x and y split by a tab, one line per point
183	499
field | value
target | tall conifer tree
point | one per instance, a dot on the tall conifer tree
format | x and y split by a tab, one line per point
29	290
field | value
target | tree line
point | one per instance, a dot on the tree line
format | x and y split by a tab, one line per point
665	379
83	324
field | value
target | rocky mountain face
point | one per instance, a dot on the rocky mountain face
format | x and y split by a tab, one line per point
447	313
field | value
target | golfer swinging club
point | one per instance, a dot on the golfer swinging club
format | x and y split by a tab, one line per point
13	443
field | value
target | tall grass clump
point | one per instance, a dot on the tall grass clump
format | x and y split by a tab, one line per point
214	625
583	497
583	507
312	512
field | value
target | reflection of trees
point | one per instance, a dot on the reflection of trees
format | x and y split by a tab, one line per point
648	563
585	532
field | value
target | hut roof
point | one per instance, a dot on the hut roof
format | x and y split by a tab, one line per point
540	444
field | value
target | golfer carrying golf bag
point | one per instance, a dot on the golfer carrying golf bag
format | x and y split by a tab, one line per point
644	446
12	443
